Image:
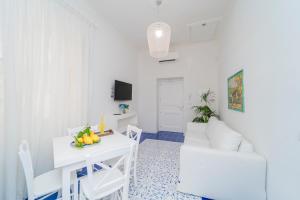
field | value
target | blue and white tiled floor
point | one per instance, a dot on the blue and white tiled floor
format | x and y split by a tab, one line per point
157	172
164	135
158	168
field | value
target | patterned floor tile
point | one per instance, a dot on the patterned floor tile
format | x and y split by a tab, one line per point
157	172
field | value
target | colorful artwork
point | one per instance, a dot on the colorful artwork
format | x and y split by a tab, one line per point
236	92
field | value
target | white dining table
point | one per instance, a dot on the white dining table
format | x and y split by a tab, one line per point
70	158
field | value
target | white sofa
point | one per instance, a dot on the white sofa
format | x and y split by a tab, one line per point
218	163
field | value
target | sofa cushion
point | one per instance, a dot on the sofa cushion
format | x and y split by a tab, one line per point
196	135
197	143
246	147
193	126
211	128
196	138
225	138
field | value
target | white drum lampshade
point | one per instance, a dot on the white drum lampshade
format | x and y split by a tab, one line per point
159	35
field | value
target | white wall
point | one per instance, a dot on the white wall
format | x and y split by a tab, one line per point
198	66
113	58
262	37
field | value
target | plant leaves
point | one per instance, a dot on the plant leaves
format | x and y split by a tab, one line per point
204	112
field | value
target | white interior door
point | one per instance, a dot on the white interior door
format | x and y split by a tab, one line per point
170	105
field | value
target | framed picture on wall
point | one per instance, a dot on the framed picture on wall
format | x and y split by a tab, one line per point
236	92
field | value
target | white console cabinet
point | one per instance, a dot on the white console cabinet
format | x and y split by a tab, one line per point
120	122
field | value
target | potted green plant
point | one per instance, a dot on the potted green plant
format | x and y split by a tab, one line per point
204	112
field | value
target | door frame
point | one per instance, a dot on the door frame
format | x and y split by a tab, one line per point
157	98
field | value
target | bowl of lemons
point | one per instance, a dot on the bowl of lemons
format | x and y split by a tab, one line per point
85	137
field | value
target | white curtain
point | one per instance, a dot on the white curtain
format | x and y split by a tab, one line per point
46	49
1	112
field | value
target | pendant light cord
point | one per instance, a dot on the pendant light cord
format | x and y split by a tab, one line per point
158	3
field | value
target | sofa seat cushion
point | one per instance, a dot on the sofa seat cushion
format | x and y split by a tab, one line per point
225	138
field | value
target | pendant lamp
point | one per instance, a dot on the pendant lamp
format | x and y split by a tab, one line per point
159	36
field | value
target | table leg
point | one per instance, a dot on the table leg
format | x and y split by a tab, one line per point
75	186
65	184
125	189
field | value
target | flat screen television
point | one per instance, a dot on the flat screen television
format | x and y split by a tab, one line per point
123	91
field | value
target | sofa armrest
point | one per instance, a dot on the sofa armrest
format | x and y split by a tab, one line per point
222	174
199	127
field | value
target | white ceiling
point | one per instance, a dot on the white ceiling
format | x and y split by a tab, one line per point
131	17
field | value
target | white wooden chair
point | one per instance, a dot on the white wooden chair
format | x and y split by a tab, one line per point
110	180
43	185
134	133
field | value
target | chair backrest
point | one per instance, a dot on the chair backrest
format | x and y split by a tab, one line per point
134	133
25	157
123	157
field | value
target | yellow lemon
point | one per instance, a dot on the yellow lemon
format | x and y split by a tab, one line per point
87	140
95	138
92	133
80	140
91	140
